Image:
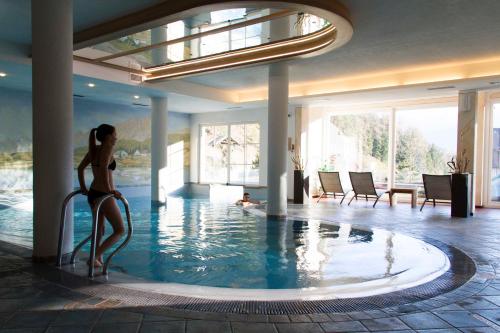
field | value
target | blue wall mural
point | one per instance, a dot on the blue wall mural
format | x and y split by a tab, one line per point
132	152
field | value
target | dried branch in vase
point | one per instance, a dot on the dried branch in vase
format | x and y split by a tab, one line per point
459	164
298	162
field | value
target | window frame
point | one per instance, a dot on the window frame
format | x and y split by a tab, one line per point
229	164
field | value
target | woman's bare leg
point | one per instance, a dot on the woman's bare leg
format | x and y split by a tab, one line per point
113	215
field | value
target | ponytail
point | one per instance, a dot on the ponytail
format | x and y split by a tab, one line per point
92	145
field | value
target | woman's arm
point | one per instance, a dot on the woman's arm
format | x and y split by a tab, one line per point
104	160
81	173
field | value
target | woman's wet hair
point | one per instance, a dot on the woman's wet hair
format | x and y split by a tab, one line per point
100	134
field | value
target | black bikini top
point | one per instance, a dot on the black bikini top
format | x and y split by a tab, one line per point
111	166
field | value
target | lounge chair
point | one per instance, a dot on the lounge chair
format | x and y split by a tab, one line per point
437	187
362	185
330	183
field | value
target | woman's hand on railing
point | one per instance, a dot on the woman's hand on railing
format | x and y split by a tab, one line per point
117	194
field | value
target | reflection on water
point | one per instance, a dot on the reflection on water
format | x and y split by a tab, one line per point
194	241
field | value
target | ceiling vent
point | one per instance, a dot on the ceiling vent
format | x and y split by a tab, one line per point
233	107
79	96
139	104
441	88
495	82
135	77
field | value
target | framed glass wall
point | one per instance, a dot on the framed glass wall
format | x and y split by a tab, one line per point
230	153
396	145
359	142
493	181
426	139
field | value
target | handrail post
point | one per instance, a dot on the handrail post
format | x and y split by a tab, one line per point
62	226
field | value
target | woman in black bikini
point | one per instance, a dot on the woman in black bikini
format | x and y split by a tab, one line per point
101	159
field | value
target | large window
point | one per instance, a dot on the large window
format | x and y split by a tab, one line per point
495	157
425	140
230	153
359	142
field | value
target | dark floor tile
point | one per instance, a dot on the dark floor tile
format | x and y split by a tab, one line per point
158	318
384	324
339	317
31	319
343	326
476	303
359	315
441	330
116	328
319	317
489	291
245	327
494	299
117	316
299	328
491	315
164	327
485	329
423	320
299	318
77	317
23	330
459	318
69	329
207	326
278	319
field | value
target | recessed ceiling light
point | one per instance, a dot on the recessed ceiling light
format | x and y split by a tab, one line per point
91	85
2	74
137	96
441	88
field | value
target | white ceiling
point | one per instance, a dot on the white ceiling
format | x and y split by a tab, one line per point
388	34
391	34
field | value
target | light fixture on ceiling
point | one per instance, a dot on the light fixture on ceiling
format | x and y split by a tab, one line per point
91	85
3	74
137	96
441	88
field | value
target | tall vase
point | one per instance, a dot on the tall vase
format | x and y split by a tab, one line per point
461	194
298	186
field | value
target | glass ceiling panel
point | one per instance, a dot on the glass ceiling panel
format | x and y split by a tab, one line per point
186	27
251	35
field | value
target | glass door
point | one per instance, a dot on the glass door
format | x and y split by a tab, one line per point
494	160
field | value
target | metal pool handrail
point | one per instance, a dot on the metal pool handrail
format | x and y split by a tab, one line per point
93	235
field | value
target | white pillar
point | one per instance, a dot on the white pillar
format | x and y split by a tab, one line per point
159	144
277	127
159	55
52	50
277	137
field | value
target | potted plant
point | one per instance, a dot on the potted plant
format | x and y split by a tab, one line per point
461	186
298	177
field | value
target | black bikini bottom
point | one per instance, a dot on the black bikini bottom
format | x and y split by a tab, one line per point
93	195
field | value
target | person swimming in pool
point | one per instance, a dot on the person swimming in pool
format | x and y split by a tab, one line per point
246	201
100	157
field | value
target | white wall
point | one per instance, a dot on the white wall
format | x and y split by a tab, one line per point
229	117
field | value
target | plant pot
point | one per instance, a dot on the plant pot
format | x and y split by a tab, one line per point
461	185
298	186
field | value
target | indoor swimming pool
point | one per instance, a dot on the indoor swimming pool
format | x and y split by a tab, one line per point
196	242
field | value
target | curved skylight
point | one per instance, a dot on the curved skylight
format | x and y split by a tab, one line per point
203	36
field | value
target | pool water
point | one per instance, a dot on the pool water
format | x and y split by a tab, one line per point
196	242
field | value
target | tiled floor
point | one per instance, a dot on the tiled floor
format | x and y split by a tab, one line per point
30	302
